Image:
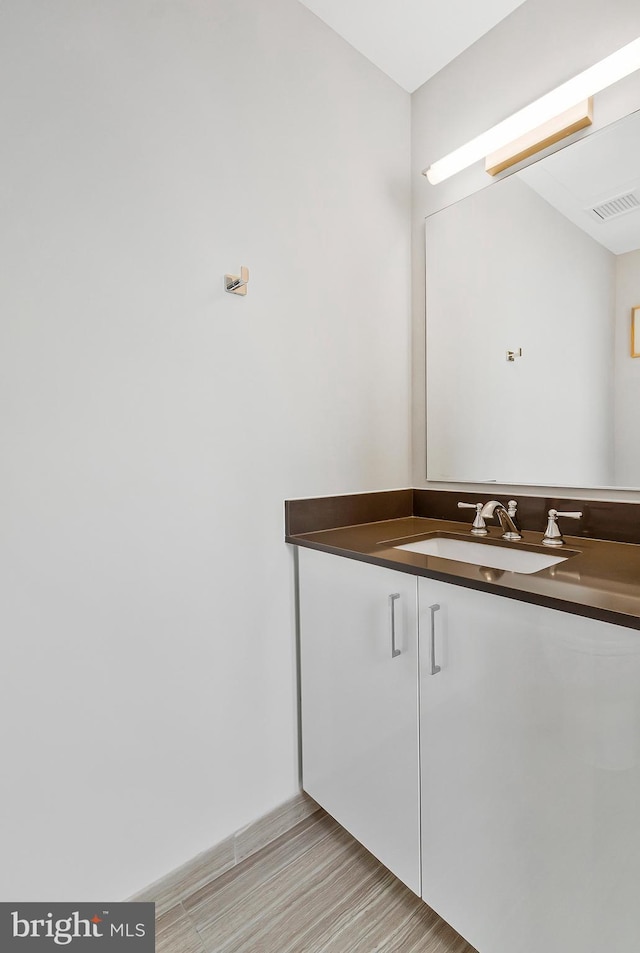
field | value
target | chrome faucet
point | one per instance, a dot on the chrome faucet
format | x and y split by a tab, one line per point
507	517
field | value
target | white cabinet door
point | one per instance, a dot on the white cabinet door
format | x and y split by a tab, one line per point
360	703
530	736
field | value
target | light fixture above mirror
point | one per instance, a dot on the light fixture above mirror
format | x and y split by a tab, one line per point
537	114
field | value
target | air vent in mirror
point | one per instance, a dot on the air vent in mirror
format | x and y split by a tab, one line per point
617	206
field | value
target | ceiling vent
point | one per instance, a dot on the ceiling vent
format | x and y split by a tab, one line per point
619	205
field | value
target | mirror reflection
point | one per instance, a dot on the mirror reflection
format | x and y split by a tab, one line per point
531	287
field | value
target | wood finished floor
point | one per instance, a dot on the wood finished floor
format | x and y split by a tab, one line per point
313	890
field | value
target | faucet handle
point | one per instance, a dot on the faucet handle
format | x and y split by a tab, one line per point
479	527
553	536
512	509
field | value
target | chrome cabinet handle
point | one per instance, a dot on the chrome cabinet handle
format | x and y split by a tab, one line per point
392	623
433	668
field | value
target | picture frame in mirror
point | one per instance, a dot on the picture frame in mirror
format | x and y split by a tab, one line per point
635	331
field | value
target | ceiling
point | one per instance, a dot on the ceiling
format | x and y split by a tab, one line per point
410	40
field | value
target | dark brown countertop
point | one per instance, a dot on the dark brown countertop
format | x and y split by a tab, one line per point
602	579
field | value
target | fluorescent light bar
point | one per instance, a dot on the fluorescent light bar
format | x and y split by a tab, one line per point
608	71
538	139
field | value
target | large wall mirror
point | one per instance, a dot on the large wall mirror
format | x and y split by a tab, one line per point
531	285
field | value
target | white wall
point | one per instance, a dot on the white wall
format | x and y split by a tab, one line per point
627	371
541	44
152	425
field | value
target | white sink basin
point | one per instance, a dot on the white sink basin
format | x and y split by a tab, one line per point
481	554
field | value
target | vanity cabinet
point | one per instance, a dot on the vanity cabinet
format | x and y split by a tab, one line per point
359	703
513	808
530	775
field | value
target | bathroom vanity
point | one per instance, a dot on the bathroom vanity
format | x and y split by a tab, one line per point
478	729
470	707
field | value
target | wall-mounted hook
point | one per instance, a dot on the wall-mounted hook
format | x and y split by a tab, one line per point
237	284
